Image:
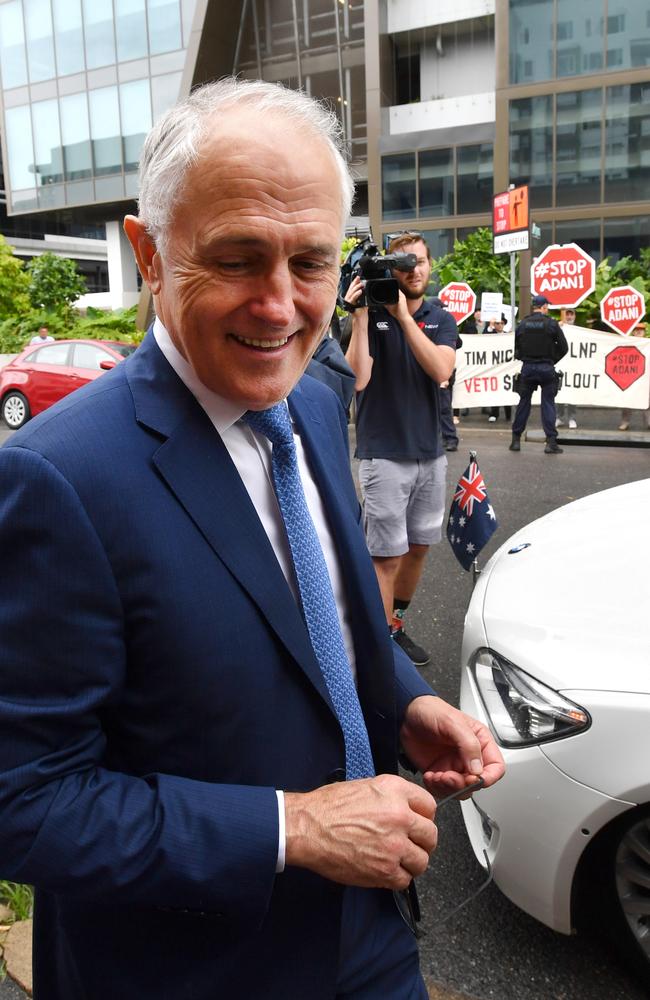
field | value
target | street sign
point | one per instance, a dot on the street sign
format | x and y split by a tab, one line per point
624	365
459	300
622	308
565	274
510	220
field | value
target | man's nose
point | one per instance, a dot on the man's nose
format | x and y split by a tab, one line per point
273	302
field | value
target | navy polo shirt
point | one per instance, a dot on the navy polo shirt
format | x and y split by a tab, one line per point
398	413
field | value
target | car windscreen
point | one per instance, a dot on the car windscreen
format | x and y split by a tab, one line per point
123	349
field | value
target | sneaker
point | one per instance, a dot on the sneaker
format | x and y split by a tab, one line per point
624	426
491	420
456	421
515	444
451	445
559	422
419	656
572	425
553	448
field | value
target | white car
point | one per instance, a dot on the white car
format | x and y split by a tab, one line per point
556	660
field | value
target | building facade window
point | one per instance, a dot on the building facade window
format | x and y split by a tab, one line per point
21	150
436	182
584	232
625	236
135	107
40	40
165	34
439	241
531	40
99	33
578	147
398	186
627	143
474	179
130	29
75	137
68	36
531	147
105	131
448	181
48	154
13	55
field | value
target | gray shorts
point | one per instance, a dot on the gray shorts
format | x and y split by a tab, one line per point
403	503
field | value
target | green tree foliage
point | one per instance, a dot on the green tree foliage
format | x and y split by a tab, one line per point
473	261
14	282
54	283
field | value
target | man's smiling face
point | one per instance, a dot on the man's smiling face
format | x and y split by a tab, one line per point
247	284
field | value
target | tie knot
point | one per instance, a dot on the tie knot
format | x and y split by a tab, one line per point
274	423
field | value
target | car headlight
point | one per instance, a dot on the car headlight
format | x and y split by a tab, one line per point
522	710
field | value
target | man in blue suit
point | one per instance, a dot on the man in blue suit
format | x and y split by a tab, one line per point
174	744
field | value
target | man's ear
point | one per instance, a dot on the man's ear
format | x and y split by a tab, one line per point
144	249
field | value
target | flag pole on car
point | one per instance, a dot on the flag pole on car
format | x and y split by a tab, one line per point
472	521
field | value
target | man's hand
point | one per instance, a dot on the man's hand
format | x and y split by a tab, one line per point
374	832
400	309
451	749
354	292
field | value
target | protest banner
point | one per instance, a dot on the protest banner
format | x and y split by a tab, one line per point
599	370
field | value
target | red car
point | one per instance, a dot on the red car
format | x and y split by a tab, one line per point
42	374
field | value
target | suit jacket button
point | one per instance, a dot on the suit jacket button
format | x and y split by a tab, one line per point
338	774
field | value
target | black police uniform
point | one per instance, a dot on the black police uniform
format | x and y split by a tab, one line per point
539	343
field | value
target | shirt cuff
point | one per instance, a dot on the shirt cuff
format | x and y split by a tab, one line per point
282	840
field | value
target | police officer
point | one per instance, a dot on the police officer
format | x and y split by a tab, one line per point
539	343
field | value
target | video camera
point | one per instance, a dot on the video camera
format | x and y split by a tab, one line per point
375	270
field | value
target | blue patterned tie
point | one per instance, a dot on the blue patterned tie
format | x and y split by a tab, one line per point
318	605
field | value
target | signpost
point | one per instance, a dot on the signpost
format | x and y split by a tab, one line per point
459	300
510	220
622	308
565	274
510	227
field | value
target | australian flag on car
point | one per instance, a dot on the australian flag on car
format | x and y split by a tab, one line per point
472	520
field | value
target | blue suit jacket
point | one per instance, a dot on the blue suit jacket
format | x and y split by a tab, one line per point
157	685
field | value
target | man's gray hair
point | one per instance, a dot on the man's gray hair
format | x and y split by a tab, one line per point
174	143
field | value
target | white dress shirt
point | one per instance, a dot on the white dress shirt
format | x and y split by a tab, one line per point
251	455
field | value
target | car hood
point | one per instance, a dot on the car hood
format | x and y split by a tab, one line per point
573	607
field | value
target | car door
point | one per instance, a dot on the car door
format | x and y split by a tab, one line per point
50	377
87	360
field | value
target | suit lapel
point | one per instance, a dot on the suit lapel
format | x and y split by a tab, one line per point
196	466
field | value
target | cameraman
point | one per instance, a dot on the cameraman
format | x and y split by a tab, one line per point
400	353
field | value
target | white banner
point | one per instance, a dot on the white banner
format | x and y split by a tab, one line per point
601	369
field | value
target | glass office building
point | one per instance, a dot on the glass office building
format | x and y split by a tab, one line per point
577	97
82	82
441	104
570	116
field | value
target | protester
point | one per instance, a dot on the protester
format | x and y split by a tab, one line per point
474	323
626	413
567	412
539	344
400	355
184	643
498	326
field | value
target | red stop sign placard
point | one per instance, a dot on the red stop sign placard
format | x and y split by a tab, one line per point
565	274
624	365
622	308
459	300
